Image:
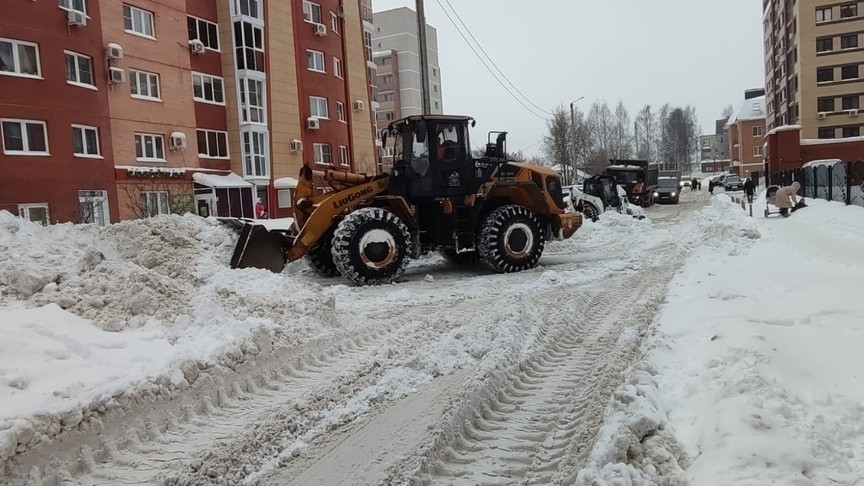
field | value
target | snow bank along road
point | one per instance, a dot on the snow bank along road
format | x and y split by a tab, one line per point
453	376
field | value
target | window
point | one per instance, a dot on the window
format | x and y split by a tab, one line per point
343	155
849	41
321	153
334	22
434	88
85	141
849	72
825	133
36	213
251	8
138	21
144	85
337	68
757	131
79	69
284	198
207	88
75	5
315	61
149	148
312	12
318	107
386	61
212	144
386	79
825	45
255	154
19	58
436	105
434	72
389	116
849	132
850	103
154	203
94	207
249	42
252	101
24	137
383	97
824	75
206	32
848	10
825	105
757	151
823	14
340	111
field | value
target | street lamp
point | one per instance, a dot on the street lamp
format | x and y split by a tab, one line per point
573	139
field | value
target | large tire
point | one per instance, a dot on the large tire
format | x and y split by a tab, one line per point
511	240
371	246
320	257
464	258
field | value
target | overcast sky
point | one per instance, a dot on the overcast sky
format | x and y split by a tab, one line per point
699	52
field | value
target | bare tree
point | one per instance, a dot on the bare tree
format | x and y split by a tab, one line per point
148	198
680	138
556	143
727	112
601	124
621	146
647	134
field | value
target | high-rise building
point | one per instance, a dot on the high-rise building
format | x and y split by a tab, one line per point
814	66
121	109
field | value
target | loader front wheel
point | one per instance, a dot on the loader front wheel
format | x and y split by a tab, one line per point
320	257
511	240
371	246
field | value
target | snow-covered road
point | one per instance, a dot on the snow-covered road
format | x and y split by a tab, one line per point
453	376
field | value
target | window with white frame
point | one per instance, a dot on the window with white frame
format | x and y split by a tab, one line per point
255	154
823	14
212	144
79	69
149	147
85	141
315	61
249	44
337	67
757	131
74	5
154	203
144	85
93	205
757	151
386	96
343	155
138	21
24	137
340	111
318	107
19	58
252	101
36	213
312	12
334	22
251	8
207	88
203	30
284	198
321	153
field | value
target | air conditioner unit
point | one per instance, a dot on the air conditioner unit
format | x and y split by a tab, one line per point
78	19
313	123
113	51
116	75
196	46
359	105
853	113
177	140
320	29
823	116
297	145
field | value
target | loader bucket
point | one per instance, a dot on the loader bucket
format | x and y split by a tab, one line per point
259	247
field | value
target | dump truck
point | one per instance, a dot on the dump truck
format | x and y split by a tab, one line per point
629	174
436	197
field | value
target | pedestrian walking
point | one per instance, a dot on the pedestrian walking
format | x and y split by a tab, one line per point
694	185
711	187
749	190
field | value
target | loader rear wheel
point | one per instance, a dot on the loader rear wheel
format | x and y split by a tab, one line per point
371	246
320	257
464	258
511	240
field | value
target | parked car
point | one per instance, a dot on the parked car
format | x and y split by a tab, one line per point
733	183
718	180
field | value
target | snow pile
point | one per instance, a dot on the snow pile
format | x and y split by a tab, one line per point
755	361
90	315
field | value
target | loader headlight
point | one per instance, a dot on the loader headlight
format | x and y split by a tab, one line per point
674	193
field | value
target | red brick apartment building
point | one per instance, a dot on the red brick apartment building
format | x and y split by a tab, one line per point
120	109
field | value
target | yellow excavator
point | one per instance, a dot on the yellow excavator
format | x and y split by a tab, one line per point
436	197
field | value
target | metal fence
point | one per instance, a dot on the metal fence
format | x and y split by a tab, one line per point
832	181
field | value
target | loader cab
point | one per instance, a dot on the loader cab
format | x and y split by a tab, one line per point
604	187
431	157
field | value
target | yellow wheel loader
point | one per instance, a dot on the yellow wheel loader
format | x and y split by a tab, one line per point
436	197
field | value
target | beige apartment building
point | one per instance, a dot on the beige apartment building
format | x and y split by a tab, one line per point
814	66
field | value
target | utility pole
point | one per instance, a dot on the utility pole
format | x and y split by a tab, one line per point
424	57
575	171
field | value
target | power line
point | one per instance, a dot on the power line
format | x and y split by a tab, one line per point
492	61
487	65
